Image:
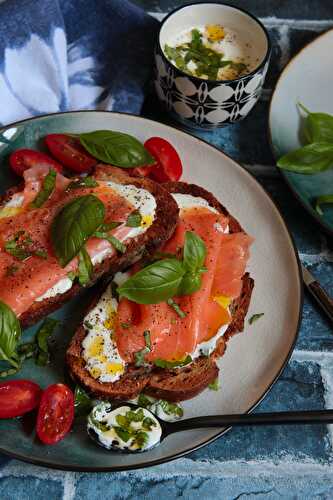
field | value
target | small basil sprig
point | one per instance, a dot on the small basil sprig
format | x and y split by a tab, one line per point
155	283
116	148
48	186
10	334
74	224
164	279
317	155
325	199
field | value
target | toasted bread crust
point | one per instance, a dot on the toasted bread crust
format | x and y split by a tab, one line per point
176	384
165	221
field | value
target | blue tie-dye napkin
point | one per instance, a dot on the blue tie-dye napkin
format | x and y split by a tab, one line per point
59	55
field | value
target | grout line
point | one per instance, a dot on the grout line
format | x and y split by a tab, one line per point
284	44
69	483
289	466
322	358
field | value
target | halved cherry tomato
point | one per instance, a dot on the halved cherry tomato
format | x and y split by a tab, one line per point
169	166
69	152
55	414
18	397
22	159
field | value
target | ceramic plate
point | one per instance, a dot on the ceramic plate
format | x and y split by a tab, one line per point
254	359
308	79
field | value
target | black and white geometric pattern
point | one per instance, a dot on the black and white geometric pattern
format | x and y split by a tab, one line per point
206	104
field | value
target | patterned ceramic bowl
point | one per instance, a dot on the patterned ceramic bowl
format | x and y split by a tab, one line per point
204	103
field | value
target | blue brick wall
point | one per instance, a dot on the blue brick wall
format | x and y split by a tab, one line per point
257	463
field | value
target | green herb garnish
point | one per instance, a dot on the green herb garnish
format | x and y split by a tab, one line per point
214	386
207	60
84	182
122	433
117	244
46	191
74	225
116	148
176	308
10	334
82	402
139	356
255	317
317	154
162	363
85	267
134	219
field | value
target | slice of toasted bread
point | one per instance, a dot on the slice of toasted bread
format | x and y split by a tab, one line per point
170	384
165	221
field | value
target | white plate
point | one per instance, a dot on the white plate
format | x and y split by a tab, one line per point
254	359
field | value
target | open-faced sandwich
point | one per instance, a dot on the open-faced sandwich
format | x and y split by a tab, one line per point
159	327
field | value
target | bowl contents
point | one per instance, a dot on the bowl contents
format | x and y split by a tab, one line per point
124	428
212	52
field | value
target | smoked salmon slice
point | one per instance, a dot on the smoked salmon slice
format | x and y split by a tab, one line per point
172	337
36	275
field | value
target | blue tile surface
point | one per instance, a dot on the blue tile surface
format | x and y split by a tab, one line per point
268	463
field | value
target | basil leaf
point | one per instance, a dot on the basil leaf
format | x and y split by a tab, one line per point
82	402
325	199
194	252
116	148
310	159
255	317
74	224
318	127
85	267
134	219
48	186
162	363
117	244
84	182
44	332
155	283
10	334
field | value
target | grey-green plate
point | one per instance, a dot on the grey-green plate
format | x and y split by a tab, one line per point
308	78
254	359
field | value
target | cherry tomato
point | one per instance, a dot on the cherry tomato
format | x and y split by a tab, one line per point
55	414
69	152
22	159
17	397
169	166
